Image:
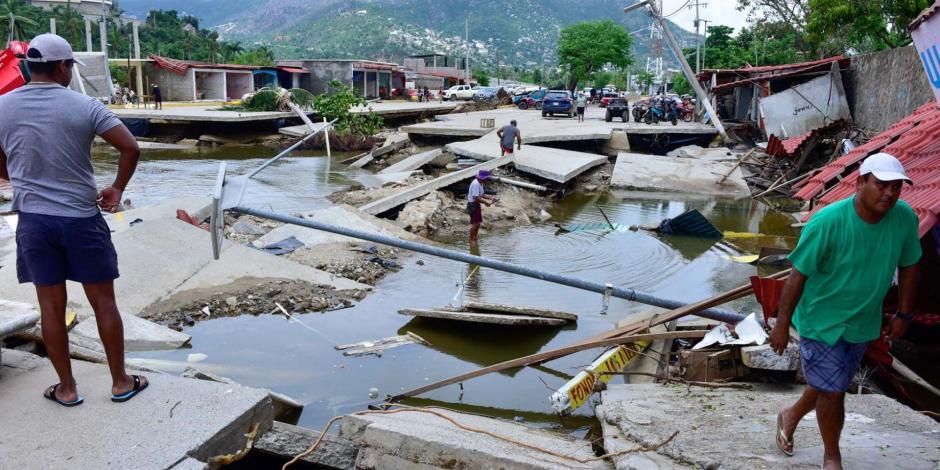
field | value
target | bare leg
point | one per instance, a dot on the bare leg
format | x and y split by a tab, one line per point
474	229
52	301
111	330
830	413
795	412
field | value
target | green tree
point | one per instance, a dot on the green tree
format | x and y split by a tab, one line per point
337	102
645	78
481	77
680	85
230	50
837	26
260	55
586	47
17	13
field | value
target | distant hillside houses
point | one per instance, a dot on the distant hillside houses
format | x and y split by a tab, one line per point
85	7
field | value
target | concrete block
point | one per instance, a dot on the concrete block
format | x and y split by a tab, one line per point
343	216
419	440
174	419
139	334
546	162
735	429
685	175
16	317
413	162
287	440
394	142
763	357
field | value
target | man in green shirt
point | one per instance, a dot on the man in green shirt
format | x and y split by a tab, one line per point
843	266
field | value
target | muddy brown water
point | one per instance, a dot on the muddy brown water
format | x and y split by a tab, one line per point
272	352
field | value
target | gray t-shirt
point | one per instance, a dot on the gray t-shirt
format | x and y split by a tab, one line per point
46	132
509	135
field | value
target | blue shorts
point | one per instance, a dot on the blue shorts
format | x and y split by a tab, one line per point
830	368
52	249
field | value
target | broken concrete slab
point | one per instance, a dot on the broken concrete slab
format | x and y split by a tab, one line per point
362	161
382	179
517	310
139	334
411	438
343	216
395	200
764	357
671	174
746	421
174	419
198	207
393	142
615	442
16	317
286	440
491	318
550	163
413	162
301	130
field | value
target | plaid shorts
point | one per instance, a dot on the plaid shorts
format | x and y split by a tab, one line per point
830	368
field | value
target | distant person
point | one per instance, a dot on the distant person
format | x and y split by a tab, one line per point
581	103
476	197
46	132
440	95
427	94
382	91
594	95
157	97
507	134
843	266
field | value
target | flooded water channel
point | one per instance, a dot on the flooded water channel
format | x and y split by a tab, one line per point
269	351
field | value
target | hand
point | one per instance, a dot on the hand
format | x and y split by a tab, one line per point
895	328
779	337
109	199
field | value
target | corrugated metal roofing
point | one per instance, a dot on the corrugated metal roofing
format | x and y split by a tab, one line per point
180	66
772	71
915	141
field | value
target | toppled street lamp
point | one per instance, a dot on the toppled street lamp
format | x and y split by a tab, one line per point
686	68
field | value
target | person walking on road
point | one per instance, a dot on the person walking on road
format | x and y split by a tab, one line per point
581	104
843	266
507	134
476	197
46	133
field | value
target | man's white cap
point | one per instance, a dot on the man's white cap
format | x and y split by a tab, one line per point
885	167
50	48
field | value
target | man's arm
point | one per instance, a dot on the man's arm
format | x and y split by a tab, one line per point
908	280
121	139
519	139
499	133
4	174
792	291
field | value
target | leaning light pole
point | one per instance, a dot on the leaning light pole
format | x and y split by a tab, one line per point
686	68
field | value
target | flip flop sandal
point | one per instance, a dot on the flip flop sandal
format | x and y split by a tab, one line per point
132	392
69	404
781	435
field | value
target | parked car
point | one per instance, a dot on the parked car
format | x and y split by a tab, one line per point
511	87
607	97
460	92
408	94
618	107
558	102
532	100
488	93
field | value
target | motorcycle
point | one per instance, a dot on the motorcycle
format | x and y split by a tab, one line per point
661	110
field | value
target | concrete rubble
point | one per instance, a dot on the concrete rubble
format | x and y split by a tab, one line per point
414	439
173	420
550	163
675	174
412	163
879	432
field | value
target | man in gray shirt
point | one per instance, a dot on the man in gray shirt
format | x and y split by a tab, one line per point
46	133
507	134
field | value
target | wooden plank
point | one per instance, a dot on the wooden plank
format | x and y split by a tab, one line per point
615	335
395	200
514	310
548	355
491	318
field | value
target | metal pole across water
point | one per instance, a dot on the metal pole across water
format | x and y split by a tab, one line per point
619	292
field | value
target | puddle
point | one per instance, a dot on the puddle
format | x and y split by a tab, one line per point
269	351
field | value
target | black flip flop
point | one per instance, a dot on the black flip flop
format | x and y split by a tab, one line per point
69	404
132	392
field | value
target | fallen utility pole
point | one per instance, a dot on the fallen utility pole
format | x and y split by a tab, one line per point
619	292
521	184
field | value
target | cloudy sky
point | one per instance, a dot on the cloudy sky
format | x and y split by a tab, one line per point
715	11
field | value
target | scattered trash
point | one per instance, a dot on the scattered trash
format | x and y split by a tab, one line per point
376	347
135	222
283	247
747	331
385	263
420	262
373	393
247	228
690	222
206	311
196	357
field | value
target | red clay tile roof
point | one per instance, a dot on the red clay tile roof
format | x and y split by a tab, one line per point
180	66
789	147
924	15
915	141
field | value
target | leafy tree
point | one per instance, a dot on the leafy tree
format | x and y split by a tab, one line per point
481	77
586	47
17	13
337	102
680	84
230	50
260	55
837	26
645	78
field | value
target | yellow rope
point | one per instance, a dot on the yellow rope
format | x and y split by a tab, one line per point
429	410
231	458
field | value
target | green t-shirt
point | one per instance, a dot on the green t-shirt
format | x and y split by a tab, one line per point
850	265
582	101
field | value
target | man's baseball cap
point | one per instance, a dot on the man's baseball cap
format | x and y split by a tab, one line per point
50	48
885	167
483	174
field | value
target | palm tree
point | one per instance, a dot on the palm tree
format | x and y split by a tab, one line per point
213	46
12	10
71	22
230	49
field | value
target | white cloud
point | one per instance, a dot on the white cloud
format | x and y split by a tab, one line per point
722	12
